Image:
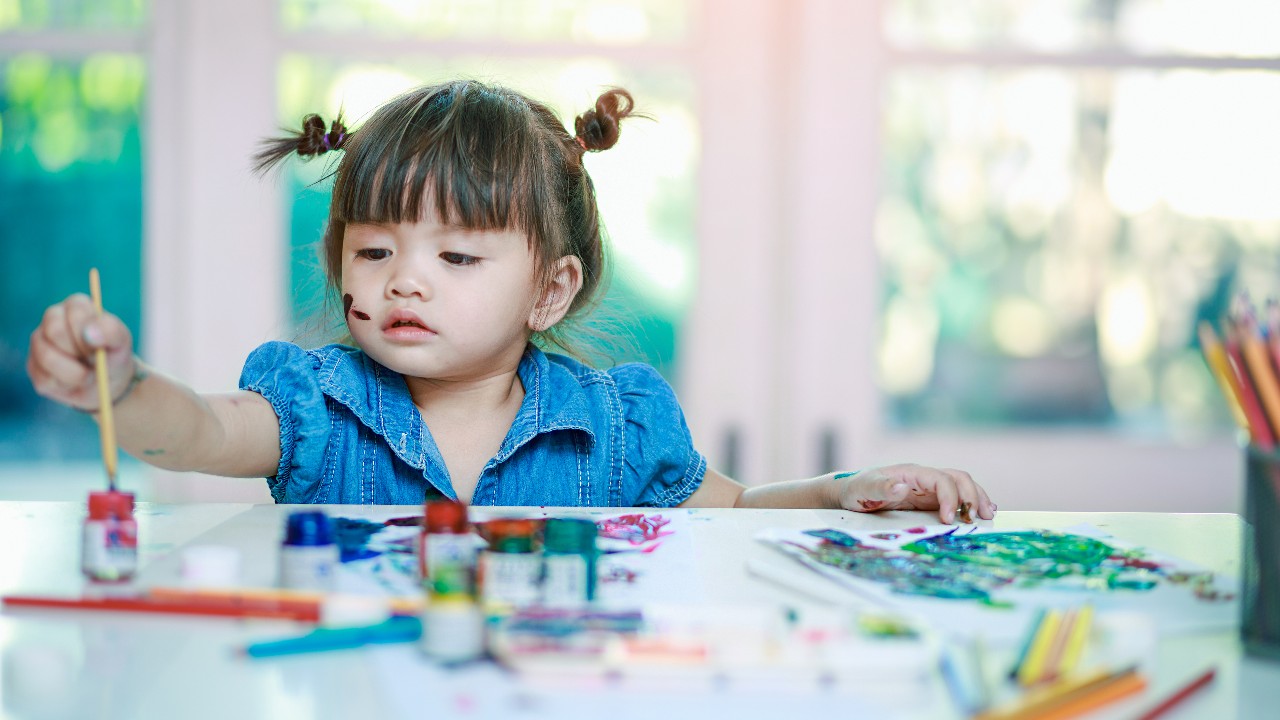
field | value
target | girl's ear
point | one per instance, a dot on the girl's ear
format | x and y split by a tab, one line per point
558	294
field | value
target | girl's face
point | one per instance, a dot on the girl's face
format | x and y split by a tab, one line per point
436	301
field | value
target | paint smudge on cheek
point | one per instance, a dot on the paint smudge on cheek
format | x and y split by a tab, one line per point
347	310
870	505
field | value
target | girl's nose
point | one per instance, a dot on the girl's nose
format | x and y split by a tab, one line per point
406	283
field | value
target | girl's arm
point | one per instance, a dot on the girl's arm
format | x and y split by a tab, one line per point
157	419
894	487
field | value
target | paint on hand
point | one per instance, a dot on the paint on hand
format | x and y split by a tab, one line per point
870	505
347	309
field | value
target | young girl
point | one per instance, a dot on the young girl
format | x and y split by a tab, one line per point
463	228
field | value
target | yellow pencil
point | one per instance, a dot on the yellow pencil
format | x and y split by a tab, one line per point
1033	668
1076	641
106	424
1215	355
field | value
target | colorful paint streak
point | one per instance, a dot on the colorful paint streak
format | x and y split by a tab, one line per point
636	528
974	566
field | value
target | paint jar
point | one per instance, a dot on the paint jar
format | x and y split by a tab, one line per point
1260	604
568	562
309	555
509	568
447	551
453	629
109	548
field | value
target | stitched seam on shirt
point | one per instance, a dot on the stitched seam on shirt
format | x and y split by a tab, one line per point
582	482
680	492
331	463
284	471
618	440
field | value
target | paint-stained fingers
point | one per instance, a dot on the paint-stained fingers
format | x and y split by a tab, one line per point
972	493
871	490
971	499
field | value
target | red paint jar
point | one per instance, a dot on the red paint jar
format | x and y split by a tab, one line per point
109	548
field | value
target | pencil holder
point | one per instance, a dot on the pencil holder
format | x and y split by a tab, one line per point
1260	605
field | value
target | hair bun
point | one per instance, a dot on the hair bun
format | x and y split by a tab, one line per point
597	129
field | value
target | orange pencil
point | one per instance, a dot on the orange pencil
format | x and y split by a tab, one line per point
1070	697
1215	356
1261	372
1259	428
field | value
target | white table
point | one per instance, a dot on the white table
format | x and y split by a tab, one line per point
59	664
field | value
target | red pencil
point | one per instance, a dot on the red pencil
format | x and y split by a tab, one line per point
241	608
1178	696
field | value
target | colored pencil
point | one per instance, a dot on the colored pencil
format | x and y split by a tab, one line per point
1215	356
1259	427
962	669
1258	361
106	422
1026	643
1179	695
1070	697
211	607
1076	641
1032	670
310	600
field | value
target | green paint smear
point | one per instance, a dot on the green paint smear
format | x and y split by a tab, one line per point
971	567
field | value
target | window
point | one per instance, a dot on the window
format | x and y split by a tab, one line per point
1068	188
70	194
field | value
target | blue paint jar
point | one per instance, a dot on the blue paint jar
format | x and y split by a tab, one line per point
308	555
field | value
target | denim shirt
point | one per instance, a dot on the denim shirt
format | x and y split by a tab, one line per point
350	433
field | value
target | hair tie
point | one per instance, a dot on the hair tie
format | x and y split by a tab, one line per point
581	143
325	139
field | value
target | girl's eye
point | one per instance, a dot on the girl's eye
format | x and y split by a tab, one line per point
458	258
373	253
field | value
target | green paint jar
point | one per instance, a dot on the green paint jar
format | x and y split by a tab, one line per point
568	562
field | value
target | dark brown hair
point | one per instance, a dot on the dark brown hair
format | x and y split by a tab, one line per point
480	156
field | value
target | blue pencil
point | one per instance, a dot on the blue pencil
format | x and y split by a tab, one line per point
1026	644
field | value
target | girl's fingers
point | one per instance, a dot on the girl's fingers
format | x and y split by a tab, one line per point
944	486
872	491
54	373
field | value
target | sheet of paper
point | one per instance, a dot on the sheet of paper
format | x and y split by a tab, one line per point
1174	607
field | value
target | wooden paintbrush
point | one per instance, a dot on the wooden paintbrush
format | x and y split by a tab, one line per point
106	424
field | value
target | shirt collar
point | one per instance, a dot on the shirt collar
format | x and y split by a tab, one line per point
379	398
553	400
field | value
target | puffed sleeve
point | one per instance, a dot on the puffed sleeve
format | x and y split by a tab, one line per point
661	468
286	375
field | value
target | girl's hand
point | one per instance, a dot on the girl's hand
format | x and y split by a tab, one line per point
915	487
61	360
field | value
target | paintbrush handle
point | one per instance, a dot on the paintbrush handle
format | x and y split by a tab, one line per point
106	422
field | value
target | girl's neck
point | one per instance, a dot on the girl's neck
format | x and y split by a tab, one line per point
471	397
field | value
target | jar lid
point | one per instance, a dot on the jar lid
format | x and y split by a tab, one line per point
445	516
569	535
108	504
308	527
